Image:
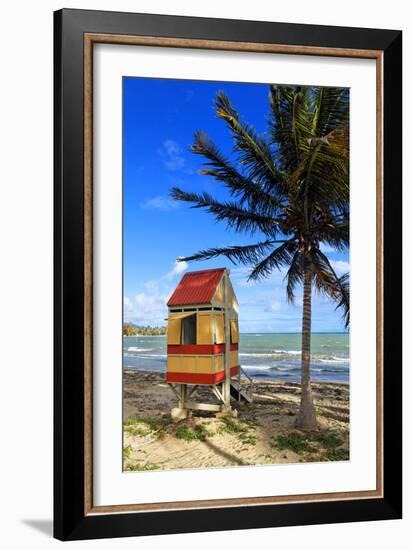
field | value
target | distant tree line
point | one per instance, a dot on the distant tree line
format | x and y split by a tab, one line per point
129	329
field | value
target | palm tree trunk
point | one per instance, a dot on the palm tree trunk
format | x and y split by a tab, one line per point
307	419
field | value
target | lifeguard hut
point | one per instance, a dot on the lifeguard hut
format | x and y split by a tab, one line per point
203	341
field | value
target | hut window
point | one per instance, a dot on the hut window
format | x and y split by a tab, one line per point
174	330
234	331
220	329
189	330
204	328
175	327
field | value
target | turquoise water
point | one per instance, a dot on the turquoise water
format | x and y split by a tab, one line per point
263	356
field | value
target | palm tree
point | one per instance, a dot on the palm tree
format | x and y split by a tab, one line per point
291	187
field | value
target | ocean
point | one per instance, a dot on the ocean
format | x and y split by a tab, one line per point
261	355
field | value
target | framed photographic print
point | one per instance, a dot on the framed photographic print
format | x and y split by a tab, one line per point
227	274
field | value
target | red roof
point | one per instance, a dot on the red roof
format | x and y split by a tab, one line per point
196	287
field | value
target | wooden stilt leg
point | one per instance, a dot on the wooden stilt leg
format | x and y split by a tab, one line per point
184	395
181	403
181	412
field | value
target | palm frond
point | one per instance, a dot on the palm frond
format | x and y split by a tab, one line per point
327	281
280	257
310	128
294	276
236	217
343	298
246	254
289	124
254	153
335	234
326	176
240	186
331	110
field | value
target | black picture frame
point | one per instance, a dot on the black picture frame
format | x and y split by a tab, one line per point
70	520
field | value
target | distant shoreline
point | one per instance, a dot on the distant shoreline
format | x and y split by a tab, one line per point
143	335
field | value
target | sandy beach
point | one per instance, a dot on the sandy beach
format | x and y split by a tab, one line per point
263	432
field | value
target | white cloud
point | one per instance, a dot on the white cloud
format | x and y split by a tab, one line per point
149	307
152	284
273	307
326	248
146	308
171	153
177	269
239	271
264	300
160	202
340	266
127	306
246	283
298	301
276	278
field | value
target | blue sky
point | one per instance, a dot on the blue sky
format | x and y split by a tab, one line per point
160	117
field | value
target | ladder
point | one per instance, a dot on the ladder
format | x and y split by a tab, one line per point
238	390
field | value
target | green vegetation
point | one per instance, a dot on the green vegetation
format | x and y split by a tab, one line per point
198	433
153	423
296	442
247	439
239	428
140	430
142	467
127	451
145	426
329	440
322	445
133	330
230	425
337	454
289	187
